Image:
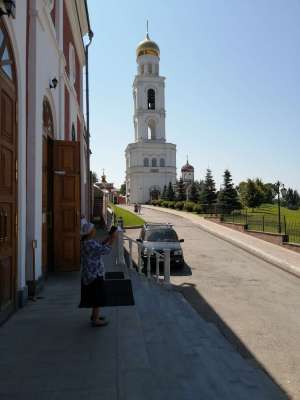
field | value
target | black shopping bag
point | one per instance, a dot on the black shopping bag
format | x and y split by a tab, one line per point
118	292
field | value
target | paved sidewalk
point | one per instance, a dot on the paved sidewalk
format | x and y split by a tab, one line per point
160	348
285	259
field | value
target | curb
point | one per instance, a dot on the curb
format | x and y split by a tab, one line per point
291	269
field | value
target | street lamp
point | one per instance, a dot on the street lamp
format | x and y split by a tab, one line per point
278	186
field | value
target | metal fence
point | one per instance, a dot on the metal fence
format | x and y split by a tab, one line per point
163	257
266	223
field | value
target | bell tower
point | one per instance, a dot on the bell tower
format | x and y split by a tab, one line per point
148	94
150	160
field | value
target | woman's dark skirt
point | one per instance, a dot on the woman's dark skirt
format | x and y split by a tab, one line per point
93	295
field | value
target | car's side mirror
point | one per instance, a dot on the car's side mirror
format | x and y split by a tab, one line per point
139	240
181	240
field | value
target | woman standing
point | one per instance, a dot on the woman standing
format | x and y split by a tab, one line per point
93	272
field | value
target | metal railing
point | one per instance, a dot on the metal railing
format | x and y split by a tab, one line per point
164	257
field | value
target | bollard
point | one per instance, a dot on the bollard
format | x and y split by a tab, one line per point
140	261
120	250
148	263
157	266
167	266
130	254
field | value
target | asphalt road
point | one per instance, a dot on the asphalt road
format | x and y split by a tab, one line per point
255	305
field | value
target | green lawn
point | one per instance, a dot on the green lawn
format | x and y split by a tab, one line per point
129	218
265	218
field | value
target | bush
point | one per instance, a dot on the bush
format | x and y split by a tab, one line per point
189	206
198	208
171	204
154	202
165	203
179	205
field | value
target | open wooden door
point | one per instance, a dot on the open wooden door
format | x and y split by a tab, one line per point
66	205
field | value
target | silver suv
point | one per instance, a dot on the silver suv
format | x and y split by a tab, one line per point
159	237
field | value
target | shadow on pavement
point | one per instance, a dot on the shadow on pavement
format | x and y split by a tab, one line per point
181	271
192	295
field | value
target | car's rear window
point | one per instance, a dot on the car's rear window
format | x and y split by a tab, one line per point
161	235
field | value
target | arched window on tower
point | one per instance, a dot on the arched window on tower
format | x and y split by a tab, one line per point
162	162
146	162
154	162
151	99
151	130
150	69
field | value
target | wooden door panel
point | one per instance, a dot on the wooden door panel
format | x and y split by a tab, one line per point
6	281
7	117
44	206
8	191
66	157
66	195
7	163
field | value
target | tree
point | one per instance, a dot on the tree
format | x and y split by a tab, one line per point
94	177
228	199
180	190
267	190
170	192
123	189
291	199
164	195
208	194
253	196
194	194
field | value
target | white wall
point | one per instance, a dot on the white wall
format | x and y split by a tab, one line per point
45	63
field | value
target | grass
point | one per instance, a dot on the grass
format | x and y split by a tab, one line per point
129	219
265	218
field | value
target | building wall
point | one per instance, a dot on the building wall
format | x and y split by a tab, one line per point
48	39
17	31
40	38
139	179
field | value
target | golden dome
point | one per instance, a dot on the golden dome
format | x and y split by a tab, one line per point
147	47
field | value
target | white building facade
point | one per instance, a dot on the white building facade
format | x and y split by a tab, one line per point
42	63
150	160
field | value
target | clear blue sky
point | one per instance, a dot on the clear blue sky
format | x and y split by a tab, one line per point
232	88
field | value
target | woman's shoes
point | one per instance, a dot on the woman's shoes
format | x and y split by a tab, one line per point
99	322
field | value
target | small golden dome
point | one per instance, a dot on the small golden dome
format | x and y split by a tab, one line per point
147	47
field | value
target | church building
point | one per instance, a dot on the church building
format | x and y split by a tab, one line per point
150	160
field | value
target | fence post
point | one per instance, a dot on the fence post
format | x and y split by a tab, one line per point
157	266
148	263
140	261
284	221
167	266
120	247
130	254
263	223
